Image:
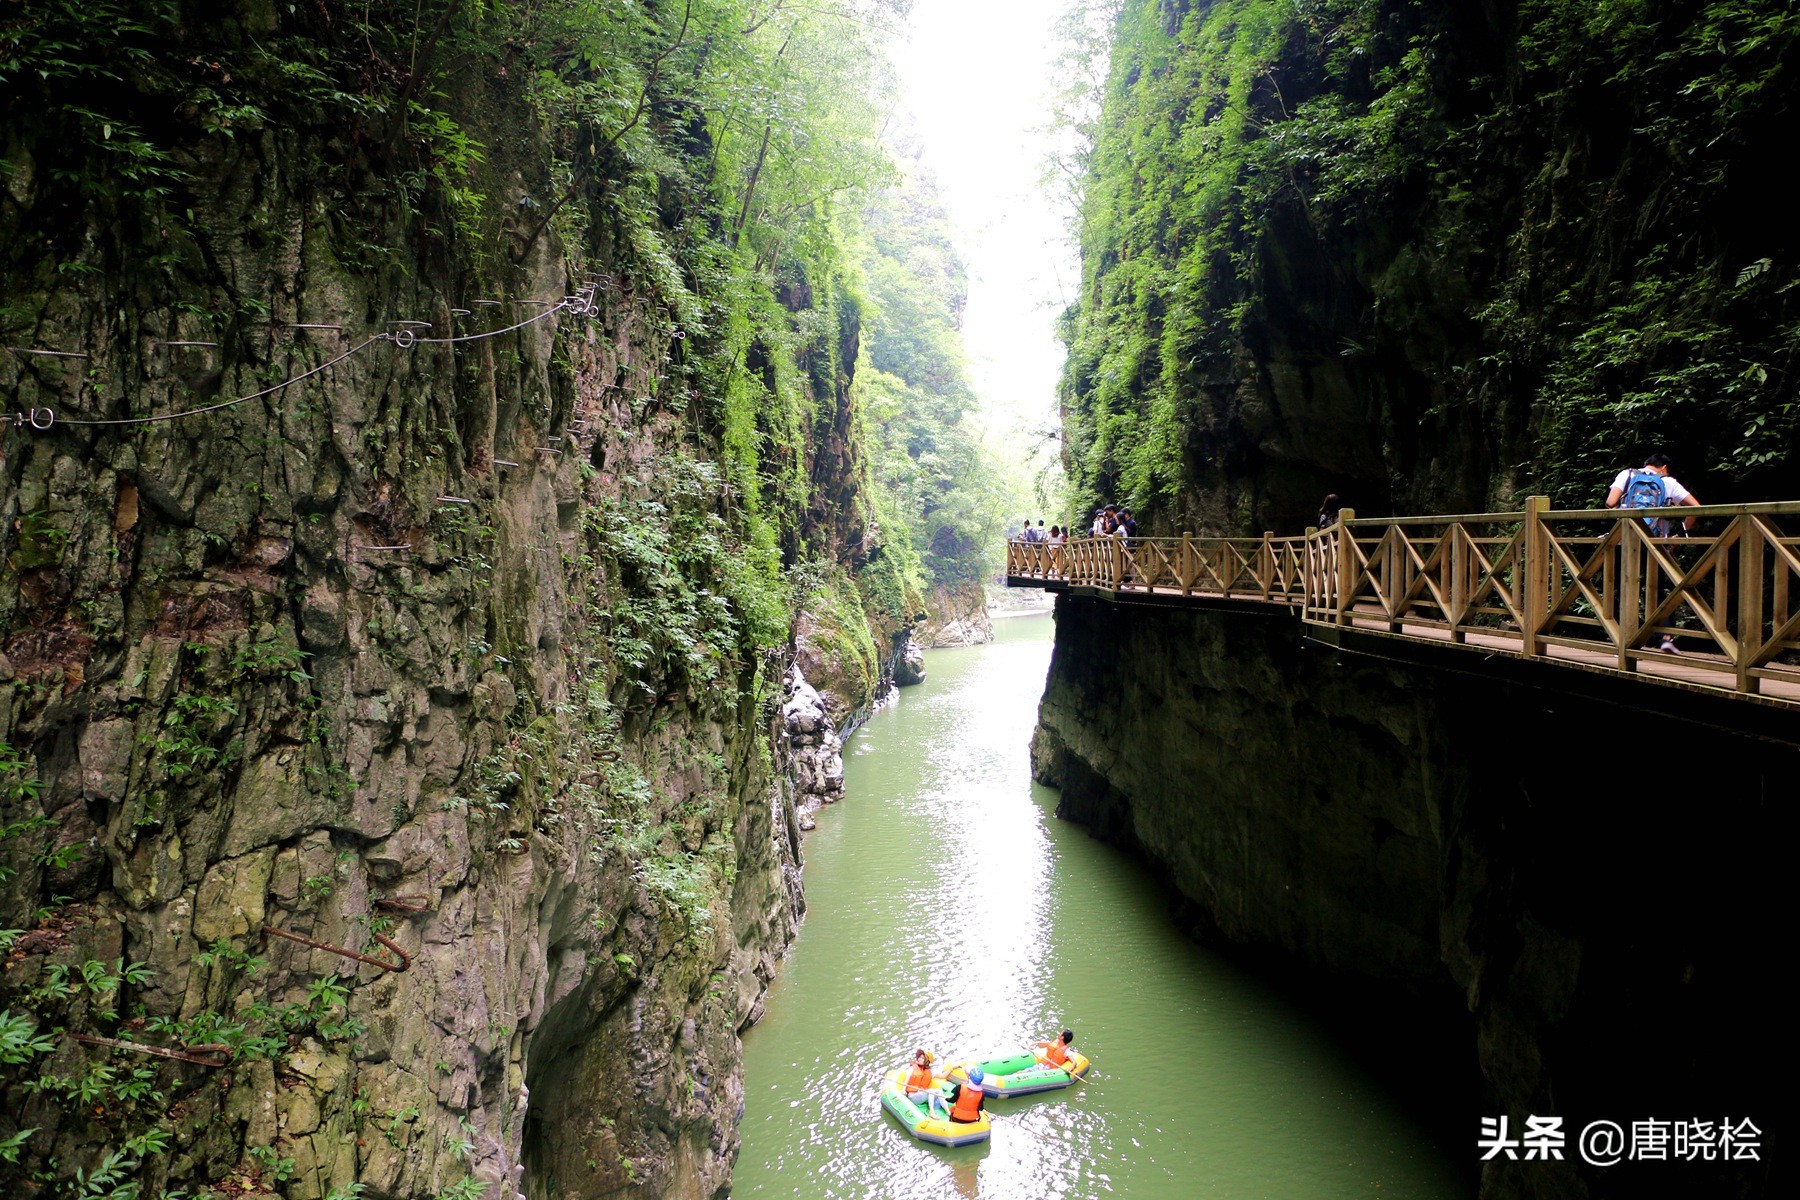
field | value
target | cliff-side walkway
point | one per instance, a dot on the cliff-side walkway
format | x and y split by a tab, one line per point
1589	589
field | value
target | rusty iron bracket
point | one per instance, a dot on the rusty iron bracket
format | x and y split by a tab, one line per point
211	1054
384	964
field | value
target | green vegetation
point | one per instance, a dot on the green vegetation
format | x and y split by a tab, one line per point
1520	255
779	439
751	128
840	615
914	390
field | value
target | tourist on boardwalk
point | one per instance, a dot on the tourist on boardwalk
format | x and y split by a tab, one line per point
1123	529
1099	527
1651	486
1328	511
1057	538
1029	533
1056	1050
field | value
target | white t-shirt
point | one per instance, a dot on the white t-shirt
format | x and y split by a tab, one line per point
1673	492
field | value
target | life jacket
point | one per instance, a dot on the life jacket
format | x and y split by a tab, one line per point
919	1079
967	1108
1646	489
1055	1054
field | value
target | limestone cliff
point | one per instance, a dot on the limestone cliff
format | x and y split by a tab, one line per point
1411	844
1431	257
395	784
956	615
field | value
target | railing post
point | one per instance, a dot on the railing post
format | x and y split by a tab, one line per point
1346	566
1456	576
1535	570
1118	562
1184	570
1268	563
1750	602
1309	573
1396	569
1631	589
1609	586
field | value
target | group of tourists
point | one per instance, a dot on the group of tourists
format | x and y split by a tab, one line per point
966	1097
1113	521
1110	520
1056	535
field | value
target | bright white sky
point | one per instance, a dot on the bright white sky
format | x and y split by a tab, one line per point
976	78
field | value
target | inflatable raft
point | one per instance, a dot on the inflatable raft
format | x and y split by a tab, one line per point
1023	1074
925	1125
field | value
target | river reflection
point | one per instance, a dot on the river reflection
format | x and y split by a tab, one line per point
948	909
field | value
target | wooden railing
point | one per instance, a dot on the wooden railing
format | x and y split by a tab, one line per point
1593	586
1269	569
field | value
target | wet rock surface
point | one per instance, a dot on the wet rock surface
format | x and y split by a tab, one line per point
354	666
909	665
814	749
956	615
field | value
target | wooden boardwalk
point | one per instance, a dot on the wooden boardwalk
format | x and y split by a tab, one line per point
1589	589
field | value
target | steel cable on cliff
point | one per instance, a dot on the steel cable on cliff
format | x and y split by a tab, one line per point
194	412
582	307
44	419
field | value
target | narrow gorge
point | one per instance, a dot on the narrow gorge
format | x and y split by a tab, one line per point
481	481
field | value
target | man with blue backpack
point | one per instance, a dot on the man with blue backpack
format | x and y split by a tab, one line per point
1651	486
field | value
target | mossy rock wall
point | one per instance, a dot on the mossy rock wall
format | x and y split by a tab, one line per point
448	642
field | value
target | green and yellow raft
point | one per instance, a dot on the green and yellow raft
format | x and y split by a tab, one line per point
1022	1074
925	1125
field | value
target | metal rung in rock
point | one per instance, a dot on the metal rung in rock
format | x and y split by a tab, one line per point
384	964
211	1054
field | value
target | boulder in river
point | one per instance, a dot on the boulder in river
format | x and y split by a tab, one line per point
815	750
909	665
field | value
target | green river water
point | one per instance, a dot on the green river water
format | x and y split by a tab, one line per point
948	908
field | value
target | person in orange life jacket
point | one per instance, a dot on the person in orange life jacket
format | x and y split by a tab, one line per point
920	1078
965	1104
920	1082
1056	1051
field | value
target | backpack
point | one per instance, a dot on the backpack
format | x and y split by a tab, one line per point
1645	490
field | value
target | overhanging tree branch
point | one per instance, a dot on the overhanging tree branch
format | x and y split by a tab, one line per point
580	176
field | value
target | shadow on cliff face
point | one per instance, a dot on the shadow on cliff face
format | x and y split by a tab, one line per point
1422	855
1413	1035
